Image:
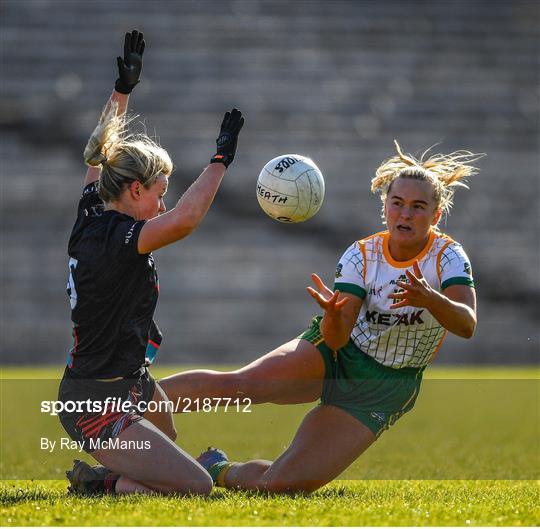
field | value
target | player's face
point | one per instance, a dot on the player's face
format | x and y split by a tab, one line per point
410	211
151	204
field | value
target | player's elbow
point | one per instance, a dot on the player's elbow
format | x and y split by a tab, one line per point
467	331
187	221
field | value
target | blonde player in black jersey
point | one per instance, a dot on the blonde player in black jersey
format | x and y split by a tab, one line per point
395	296
113	290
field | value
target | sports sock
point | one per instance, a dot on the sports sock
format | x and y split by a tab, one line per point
109	483
219	471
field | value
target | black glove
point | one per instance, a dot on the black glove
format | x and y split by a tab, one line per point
228	137
129	68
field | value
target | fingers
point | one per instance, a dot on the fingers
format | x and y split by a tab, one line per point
225	122
233	121
331	300
239	126
417	271
317	297
134	43
333	303
139	43
120	63
328	304
127	45
412	278
398	295
320	285
404	303
417	276
321	300
342	302
317	280
313	293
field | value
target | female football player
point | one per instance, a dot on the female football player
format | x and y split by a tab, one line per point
396	295
113	289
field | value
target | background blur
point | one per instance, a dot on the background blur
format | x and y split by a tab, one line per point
336	81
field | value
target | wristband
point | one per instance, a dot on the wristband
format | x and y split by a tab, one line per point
219	158
122	88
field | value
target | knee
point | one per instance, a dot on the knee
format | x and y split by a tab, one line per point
200	487
291	486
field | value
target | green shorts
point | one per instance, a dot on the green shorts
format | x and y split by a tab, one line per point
375	394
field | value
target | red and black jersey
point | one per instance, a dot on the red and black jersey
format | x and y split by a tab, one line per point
113	292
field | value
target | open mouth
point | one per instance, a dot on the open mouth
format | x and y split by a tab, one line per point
403	228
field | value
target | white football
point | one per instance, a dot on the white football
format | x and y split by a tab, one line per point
290	188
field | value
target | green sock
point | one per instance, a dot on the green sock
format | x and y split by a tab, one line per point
216	468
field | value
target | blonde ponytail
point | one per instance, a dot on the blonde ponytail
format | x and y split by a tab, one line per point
124	157
106	135
444	171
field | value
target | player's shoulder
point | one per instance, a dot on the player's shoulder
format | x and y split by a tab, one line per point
371	242
451	259
445	244
374	237
360	246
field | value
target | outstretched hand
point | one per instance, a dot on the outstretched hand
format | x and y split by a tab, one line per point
130	67
416	293
326	298
227	141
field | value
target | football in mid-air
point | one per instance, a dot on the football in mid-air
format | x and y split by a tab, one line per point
290	188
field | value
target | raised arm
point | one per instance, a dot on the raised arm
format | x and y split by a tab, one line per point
195	202
340	313
129	72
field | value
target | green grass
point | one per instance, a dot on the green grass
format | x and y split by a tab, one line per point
467	503
467	455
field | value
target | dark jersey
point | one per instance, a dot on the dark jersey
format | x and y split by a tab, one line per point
113	292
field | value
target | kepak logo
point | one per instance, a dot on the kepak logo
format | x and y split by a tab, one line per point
372	316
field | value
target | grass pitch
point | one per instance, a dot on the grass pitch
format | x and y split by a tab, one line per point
467	455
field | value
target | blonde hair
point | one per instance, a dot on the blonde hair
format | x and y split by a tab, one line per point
124	157
444	172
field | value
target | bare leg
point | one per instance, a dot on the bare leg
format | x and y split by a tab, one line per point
163	419
158	466
128	486
327	442
290	374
